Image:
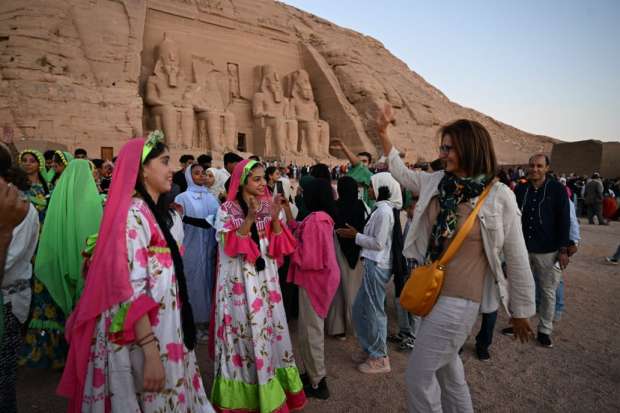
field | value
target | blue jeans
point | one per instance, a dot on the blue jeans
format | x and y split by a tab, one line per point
559	297
369	317
407	322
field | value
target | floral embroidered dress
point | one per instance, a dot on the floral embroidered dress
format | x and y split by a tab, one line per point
114	374
255	369
44	343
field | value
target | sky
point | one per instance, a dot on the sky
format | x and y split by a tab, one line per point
550	67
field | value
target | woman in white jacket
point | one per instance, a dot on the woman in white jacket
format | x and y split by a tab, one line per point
474	277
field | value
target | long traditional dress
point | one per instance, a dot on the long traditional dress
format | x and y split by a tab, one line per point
199	210
73	213
255	369
114	374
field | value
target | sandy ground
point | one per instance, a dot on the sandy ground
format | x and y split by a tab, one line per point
581	374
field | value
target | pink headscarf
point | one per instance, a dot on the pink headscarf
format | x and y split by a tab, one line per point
107	283
237	175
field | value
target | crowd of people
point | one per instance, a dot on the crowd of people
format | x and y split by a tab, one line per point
114	271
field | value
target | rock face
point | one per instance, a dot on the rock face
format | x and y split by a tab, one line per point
250	75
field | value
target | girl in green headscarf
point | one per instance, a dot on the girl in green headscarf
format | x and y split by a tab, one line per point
61	161
33	163
74	213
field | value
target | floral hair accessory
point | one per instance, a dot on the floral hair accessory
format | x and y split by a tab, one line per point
38	156
153	139
65	157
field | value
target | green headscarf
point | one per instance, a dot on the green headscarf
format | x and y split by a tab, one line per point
74	213
362	175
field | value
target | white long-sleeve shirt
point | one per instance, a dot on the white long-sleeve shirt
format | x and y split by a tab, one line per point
376	241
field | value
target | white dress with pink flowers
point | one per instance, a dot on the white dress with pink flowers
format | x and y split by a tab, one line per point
114	377
255	369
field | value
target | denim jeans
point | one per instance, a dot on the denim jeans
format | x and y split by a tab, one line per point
616	256
407	322
369	317
559	297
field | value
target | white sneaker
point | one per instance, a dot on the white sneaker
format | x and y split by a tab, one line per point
375	366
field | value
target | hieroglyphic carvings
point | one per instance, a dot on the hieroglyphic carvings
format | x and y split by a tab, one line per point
233	80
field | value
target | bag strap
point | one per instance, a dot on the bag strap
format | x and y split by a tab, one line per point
465	229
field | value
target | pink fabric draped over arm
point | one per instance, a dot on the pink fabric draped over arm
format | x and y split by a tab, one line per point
314	266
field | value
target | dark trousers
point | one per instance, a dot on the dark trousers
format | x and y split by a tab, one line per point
595	210
290	292
484	339
8	361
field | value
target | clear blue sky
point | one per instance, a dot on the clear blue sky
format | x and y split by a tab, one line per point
548	66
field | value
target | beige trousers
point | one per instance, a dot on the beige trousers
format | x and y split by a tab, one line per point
311	339
339	316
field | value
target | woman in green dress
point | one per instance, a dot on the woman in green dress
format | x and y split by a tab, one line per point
33	163
73	214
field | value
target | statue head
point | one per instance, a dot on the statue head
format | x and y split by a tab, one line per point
271	83
168	60
301	85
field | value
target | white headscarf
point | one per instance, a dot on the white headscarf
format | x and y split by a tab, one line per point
386	179
221	175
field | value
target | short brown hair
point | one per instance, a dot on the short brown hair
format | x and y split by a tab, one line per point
473	146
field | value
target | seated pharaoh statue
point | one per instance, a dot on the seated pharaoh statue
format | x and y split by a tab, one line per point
168	96
274	133
211	99
313	132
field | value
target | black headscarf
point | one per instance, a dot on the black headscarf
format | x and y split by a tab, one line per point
318	196
349	210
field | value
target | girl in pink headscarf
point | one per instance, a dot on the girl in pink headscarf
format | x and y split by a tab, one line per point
132	333
255	369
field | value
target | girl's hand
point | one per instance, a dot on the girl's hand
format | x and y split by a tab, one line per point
348	232
154	373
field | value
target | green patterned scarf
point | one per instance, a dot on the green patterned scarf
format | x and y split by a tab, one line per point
452	191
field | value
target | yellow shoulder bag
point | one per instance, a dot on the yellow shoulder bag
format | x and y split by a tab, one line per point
424	284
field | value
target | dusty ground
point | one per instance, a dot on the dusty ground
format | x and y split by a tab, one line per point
581	374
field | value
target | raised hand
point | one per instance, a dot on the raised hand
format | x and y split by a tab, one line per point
276	207
385	118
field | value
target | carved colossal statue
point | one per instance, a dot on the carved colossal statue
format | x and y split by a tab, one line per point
167	95
313	132
274	133
210	100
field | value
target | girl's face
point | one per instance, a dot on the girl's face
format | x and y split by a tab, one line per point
59	167
447	153
255	184
371	193
157	173
30	164
274	176
198	175
209	179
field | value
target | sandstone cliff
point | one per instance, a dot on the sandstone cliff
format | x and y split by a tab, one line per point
73	71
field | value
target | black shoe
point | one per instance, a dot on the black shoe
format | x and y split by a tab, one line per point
544	340
305	380
508	331
319	392
483	353
407	344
